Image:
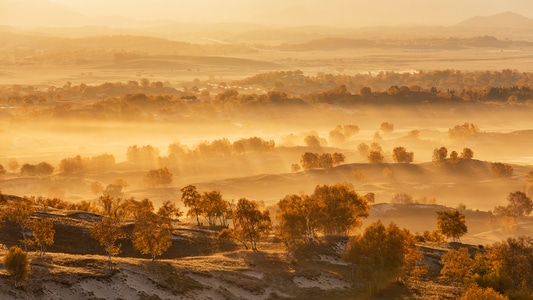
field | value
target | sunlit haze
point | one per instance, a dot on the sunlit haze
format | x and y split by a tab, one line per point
281	12
266	149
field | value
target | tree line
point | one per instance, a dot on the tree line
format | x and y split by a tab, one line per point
136	100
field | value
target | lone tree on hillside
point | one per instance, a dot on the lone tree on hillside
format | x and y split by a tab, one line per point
250	223
299	218
452	224
386	127
19	211
382	254
13	165
109	229
375	154
43	234
501	170
342	207
152	233
519	205
158	177
400	155
17	265
312	141
463	131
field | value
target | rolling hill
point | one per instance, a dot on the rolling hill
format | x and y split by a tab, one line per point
503	20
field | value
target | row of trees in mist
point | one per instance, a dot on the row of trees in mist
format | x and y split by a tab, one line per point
477	85
148	157
145	100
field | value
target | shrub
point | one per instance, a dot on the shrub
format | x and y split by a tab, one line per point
17	265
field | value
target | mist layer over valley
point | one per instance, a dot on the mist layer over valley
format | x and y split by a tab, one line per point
409	120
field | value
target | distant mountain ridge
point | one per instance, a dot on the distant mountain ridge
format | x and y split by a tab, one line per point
502	20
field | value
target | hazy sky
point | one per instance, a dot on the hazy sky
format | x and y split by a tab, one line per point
293	12
445	12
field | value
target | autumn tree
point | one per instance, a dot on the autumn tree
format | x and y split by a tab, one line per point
467	153
310	160
193	200
42	233
97	187
510	267
363	149
456	266
253	144
338	158
214	208
365	91
292	223
463	131
375	154
452	224
343	208
109	229
295	168
439	154
325	161
501	170
312	141
27	170
402	198
2	170
454	157
342	133
44	168
19	211
169	211
71	165
528	184
13	164
116	188
386	127
415	133
152	232
299	218
475	292
100	162
382	254
144	156
519	205
17	265
401	155
159	177
251	224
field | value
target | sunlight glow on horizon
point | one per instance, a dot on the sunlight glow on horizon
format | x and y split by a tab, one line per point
336	12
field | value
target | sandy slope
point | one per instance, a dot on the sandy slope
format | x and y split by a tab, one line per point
235	275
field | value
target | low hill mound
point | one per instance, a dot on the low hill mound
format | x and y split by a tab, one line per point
502	20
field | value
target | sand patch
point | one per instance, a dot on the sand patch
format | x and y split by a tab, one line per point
322	281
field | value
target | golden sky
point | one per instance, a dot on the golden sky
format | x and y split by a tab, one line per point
284	12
